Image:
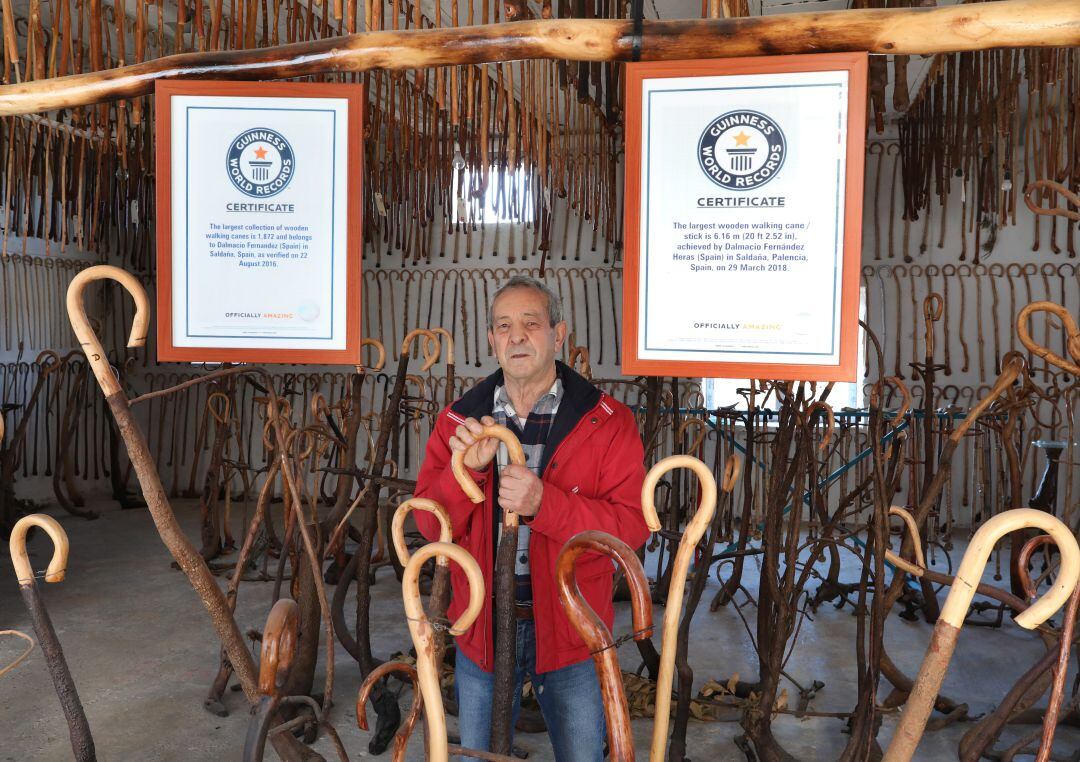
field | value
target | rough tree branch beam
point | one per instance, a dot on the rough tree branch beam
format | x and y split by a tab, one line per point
906	31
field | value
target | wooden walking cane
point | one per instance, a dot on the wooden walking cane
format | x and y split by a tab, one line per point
1061	667
953	612
595	633
505	621
422	630
185	554
280	638
691	537
82	742
677	743
401	738
440	583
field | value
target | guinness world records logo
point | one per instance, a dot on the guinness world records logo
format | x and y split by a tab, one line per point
741	150
260	162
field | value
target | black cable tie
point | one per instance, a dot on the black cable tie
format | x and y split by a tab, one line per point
637	12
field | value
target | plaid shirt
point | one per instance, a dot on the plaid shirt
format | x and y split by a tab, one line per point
533	437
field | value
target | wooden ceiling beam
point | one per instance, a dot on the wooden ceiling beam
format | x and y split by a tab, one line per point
1008	23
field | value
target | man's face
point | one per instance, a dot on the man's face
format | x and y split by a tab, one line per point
522	337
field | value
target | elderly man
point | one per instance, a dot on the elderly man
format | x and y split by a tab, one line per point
584	471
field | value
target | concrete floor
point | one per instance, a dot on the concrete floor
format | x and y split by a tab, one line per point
142	653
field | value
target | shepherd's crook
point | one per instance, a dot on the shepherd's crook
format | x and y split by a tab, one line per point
596	634
82	743
695	530
423	634
947	630
174	538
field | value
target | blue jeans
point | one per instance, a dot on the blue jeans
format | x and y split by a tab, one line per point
569	700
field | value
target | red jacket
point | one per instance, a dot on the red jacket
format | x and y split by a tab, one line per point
593	469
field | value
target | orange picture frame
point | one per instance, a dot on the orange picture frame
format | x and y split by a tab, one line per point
845	368
353	95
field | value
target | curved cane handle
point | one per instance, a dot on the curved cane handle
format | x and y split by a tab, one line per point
683	556
703	515
595	633
1071	329
1054	187
699	437
222	416
401	737
932	309
423	635
732	470
905	395
580	354
919	566
430	346
397	526
1010	371
379	363
1024	557
457	460
588	624
21	561
410	584
88	339
982	543
447	340
280	638
827	409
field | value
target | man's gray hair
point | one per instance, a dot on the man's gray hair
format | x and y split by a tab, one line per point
524	281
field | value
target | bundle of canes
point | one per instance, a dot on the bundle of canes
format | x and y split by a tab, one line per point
505	623
947	630
82	742
595	633
185	554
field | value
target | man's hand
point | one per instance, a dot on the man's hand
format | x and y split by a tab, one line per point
478	452
520	491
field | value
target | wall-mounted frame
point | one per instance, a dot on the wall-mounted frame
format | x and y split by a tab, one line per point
744	184
259	221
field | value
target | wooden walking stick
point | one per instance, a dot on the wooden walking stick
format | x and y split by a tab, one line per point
440	583
505	622
677	743
401	738
280	639
185	554
693	534
953	612
423	634
82	742
595	633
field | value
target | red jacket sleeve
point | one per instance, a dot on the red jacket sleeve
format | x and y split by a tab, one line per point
436	482
617	507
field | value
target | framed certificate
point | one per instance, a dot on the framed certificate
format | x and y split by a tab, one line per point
744	183
259	221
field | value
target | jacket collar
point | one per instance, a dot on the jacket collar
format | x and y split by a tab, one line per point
579	396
